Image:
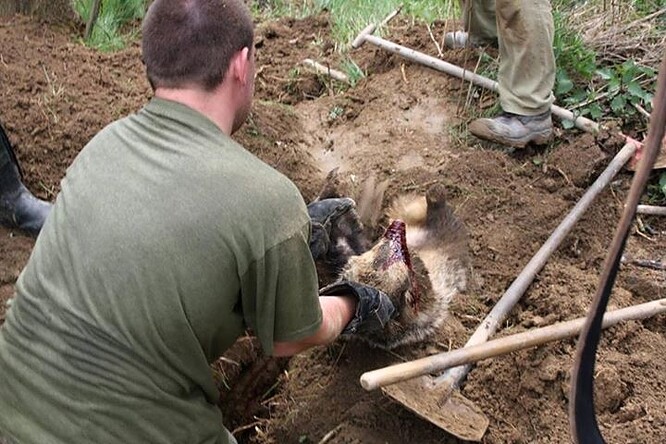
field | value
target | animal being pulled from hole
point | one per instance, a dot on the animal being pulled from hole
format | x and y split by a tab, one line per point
421	262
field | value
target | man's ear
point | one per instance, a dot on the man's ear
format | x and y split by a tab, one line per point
240	64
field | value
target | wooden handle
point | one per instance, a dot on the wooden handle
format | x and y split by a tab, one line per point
371	28
497	347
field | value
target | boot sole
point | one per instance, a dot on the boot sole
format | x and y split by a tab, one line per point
540	138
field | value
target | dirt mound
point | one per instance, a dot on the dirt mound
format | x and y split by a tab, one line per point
404	124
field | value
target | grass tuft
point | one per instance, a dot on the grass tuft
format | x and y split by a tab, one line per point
113	28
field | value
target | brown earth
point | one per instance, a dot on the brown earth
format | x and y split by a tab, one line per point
406	124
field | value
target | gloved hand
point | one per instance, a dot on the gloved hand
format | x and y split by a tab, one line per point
373	310
323	214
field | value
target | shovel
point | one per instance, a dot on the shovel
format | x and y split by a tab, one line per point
446	407
437	399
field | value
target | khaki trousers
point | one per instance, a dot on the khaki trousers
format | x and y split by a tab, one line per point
524	30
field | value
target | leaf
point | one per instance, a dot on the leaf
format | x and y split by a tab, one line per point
568	124
564	83
595	111
605	73
613	85
648	99
578	96
564	86
618	104
635	89
662	183
628	77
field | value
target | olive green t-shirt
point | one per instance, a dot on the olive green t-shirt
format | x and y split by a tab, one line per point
167	241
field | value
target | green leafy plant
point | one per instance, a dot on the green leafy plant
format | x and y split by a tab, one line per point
335	112
614	91
592	86
625	89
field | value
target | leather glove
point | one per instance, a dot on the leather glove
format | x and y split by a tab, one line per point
373	310
323	214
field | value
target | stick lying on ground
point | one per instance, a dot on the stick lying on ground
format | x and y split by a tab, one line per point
651	209
647	263
522	282
322	69
498	347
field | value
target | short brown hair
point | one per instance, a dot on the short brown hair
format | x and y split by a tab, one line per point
191	42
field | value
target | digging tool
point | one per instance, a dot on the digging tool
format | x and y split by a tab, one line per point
371	28
438	399
502	346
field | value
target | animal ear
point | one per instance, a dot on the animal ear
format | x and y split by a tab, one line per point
436	195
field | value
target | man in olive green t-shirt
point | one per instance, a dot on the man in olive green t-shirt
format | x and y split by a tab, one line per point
167	241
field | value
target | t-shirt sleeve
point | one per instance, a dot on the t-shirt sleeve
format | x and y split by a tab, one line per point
280	293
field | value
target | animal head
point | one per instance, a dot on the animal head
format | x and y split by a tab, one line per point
390	267
420	262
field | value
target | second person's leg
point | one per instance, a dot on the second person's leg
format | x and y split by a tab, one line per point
526	74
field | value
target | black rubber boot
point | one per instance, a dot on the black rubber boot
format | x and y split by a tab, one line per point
18	207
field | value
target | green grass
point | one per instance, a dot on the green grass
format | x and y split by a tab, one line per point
284	8
113	27
349	17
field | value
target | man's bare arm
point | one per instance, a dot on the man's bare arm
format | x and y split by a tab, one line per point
337	311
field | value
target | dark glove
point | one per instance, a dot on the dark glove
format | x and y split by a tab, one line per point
323	214
373	310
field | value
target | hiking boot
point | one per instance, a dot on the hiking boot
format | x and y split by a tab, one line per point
462	39
514	130
18	207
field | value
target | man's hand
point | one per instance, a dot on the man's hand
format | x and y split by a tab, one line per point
323	214
374	309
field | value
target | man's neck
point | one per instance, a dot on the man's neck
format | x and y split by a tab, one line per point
205	102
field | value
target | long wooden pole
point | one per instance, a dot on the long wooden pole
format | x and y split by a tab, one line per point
498	347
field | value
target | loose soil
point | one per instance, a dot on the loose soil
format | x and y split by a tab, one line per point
405	124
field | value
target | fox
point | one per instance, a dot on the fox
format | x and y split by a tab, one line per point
421	262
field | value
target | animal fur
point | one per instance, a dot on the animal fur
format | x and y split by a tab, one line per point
420	264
